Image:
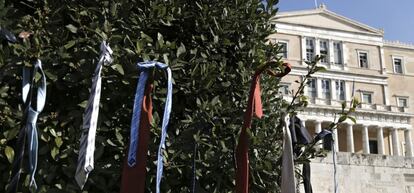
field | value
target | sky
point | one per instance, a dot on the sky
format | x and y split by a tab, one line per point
396	17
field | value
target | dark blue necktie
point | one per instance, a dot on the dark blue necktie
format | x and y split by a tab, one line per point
145	67
29	129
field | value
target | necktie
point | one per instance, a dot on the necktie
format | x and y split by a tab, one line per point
28	128
254	107
8	35
90	119
288	169
140	125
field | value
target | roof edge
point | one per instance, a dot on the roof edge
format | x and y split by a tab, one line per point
324	10
398	44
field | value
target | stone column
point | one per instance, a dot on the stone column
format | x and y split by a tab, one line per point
386	100
408	143
303	43
380	140
350	138
348	91
365	139
318	129
303	122
335	138
395	142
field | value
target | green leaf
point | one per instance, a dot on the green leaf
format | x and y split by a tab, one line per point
215	100
118	68
181	50
342	118
352	119
69	44
58	141
146	37
54	152
9	153
83	104
71	28
320	69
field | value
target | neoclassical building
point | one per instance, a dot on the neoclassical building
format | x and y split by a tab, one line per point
360	64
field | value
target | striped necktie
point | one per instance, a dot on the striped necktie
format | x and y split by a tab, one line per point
90	120
28	129
134	168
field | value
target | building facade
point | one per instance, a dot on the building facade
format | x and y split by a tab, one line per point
360	64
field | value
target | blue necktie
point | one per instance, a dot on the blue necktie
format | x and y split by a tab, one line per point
145	67
90	120
29	129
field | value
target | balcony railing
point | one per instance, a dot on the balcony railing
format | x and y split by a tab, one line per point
363	106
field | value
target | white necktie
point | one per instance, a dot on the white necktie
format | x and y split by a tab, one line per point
90	119
288	168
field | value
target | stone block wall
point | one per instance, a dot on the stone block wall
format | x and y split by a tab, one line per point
360	173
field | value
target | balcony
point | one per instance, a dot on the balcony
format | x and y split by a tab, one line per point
363	106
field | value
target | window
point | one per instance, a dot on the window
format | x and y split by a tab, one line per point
340	89
338	52
284	89
402	101
398	68
310	49
283	49
312	88
363	59
326	89
367	98
324	50
373	146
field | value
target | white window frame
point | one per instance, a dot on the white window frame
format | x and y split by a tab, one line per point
287	48
402	64
282	85
327	51
404	98
338	90
306	48
313	90
342	62
359	52
367	92
326	93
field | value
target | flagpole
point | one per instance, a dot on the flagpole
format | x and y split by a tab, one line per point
316	3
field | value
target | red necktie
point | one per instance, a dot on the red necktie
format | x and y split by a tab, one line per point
254	107
133	178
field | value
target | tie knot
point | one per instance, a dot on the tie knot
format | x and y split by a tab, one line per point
151	64
32	115
106	53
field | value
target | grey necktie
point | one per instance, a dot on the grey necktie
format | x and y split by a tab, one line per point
29	129
90	119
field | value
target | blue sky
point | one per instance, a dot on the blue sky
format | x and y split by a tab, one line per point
395	17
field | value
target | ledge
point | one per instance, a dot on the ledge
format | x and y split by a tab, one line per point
346	158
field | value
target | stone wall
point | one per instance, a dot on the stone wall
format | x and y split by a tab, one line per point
359	173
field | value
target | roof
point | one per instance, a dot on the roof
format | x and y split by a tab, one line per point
321	17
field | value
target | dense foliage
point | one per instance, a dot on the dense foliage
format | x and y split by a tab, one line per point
213	48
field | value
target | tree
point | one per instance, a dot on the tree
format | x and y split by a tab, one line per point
213	48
